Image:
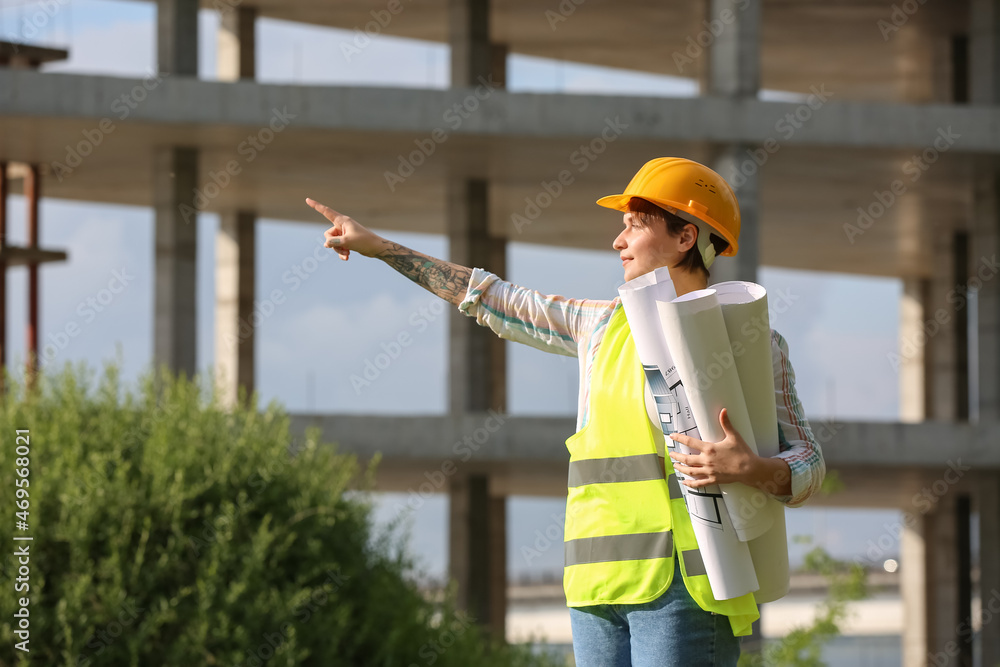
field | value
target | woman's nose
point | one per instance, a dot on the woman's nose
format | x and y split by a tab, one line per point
618	244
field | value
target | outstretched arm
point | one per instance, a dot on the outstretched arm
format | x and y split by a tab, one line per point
440	277
551	323
443	278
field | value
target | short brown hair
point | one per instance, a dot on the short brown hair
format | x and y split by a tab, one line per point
692	261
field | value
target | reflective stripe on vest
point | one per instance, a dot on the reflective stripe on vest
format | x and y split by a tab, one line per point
625	514
674	487
636	468
604	548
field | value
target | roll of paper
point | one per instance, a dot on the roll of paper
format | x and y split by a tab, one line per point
744	309
728	563
696	336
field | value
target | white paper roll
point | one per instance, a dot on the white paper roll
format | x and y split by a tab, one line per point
727	560
696	337
744	309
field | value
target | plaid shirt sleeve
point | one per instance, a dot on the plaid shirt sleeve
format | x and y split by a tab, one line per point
550	323
798	446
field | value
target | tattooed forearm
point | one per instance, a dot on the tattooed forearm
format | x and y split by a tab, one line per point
445	279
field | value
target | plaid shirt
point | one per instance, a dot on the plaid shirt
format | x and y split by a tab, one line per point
575	328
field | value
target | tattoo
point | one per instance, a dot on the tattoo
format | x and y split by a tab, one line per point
445	279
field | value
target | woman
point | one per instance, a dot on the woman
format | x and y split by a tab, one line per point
623	608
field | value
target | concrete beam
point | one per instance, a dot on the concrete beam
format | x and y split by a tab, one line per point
235	259
174	332
24	256
15	54
811	42
177	37
839	124
932	445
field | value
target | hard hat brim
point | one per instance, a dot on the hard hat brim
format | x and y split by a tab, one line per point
620	203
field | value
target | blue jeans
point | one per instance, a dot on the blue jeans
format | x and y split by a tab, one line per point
670	631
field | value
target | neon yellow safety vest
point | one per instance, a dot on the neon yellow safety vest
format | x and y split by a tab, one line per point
624	510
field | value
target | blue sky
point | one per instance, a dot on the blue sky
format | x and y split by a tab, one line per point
840	330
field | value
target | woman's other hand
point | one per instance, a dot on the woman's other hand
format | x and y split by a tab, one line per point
730	460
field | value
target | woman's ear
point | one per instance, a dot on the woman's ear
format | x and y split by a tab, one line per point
689	236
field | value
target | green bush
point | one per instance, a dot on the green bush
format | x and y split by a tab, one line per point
169	530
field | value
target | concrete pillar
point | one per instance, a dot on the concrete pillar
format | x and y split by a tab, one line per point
960	326
984	51
984	75
237	43
734	56
496	514
477	382
498	63
235	253
913	390
732	69
941	371
986	503
933	357
32	195
477	549
982	275
936	584
477	357
175	176
933	374
4	190
984	83
942	577
963	603
177	37
913	586
469	38
477	374
728	163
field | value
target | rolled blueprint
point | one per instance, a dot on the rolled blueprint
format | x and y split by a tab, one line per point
696	337
744	309
728	563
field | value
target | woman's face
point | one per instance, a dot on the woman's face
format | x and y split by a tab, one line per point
644	247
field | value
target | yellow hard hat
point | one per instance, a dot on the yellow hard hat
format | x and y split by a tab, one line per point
679	184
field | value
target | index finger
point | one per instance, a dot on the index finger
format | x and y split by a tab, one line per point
327	212
686	440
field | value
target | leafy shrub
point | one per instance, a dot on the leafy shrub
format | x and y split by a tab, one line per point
170	530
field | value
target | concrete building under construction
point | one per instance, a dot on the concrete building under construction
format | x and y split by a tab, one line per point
881	161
